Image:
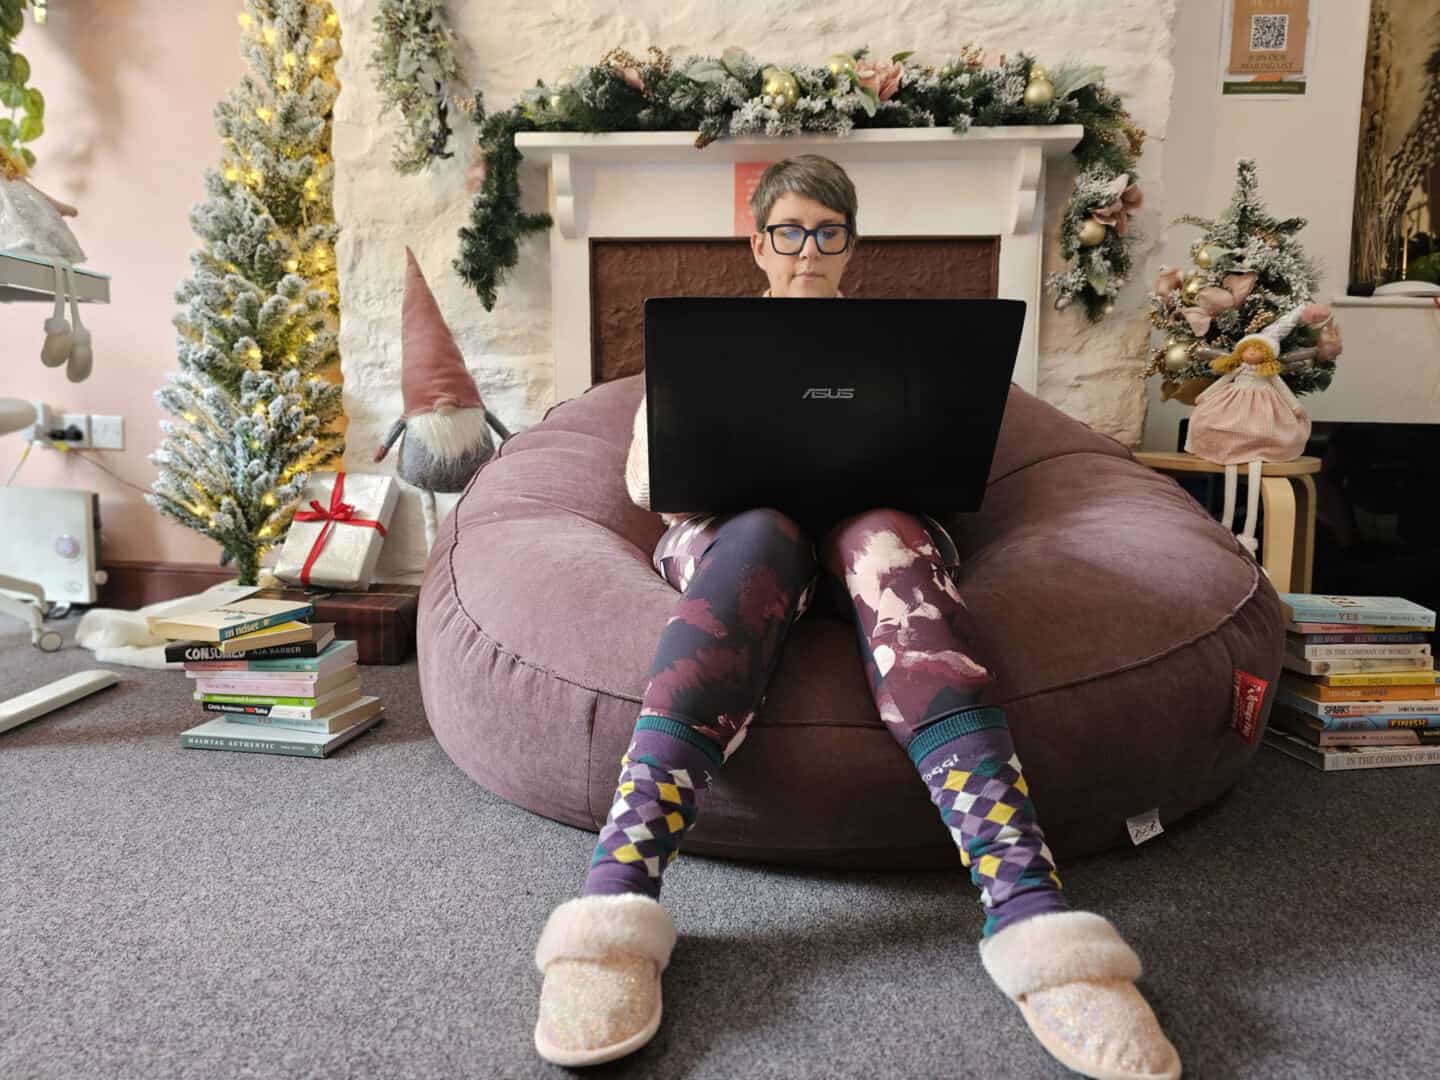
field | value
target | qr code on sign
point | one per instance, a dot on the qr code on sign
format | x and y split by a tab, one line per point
1268	33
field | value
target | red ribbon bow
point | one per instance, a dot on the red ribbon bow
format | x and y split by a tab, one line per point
338	510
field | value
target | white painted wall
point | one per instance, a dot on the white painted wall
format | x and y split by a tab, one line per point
1088	371
1304	148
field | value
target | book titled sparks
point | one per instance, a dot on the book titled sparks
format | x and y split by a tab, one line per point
225	621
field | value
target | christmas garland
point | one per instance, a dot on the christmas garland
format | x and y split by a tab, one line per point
414	62
15	94
736	95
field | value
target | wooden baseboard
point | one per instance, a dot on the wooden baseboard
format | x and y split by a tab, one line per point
134	584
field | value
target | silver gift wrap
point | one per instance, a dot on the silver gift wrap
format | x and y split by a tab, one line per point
348	558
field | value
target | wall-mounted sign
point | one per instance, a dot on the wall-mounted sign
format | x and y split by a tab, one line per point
1266	47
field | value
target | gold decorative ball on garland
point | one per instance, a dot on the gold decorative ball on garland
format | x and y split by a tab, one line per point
841	64
1040	91
1177	356
1090	233
1207	257
781	88
1193	284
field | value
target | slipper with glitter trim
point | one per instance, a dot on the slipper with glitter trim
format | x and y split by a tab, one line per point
602	957
1073	978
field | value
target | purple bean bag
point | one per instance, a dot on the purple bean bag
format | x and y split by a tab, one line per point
1114	612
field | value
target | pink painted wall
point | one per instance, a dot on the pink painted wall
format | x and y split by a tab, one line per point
130	86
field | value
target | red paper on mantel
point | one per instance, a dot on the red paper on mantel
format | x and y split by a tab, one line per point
747	179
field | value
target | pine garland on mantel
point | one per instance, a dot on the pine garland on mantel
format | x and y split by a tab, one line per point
736	95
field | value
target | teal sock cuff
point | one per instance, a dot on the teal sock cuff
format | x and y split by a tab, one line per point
679	731
965	722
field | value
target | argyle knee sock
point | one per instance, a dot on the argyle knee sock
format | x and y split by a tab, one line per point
662	776
969	764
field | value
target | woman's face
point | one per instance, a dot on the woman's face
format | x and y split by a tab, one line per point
809	273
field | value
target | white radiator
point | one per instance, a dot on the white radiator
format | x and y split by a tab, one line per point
51	536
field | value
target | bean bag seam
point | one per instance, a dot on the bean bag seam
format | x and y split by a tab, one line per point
1056	457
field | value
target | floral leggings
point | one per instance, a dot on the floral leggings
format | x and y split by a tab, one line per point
893	569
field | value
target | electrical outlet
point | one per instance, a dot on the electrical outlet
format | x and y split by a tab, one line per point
107	432
40	430
71	422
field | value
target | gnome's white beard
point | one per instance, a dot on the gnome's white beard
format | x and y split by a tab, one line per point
449	436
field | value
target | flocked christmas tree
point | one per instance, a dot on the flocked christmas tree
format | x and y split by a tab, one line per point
1249	270
257	333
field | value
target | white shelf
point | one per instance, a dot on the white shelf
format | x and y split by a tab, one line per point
32	278
1383	301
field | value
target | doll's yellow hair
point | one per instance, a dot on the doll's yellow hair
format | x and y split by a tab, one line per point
1269	366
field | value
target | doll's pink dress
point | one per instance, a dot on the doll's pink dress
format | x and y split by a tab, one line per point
1246	419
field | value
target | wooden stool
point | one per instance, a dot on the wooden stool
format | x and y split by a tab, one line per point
1287	499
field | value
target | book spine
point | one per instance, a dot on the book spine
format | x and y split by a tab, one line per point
275	712
188	651
198	669
1384	757
1297	627
1427	677
1362	614
1325	709
252	746
250	625
1372	693
1397	638
294	723
1355	652
282	687
1352	667
256	699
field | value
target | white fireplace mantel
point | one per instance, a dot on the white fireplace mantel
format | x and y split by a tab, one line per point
909	181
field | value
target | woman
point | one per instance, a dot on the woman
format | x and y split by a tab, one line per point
744	578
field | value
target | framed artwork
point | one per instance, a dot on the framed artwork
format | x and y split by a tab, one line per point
1397	172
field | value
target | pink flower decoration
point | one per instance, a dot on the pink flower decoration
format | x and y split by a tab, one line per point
1329	345
1199	320
882	78
632	78
1214	300
1314	314
989	58
475	175
1240	285
1169	281
1128	199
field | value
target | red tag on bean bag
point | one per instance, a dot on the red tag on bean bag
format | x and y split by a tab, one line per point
1249	693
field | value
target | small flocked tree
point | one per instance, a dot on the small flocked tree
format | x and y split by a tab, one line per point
1249	270
255	399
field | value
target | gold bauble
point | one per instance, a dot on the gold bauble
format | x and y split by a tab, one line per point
1191	289
781	87
1040	91
1203	259
841	64
1090	233
1177	358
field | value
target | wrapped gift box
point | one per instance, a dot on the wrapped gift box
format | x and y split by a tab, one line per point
339	540
380	620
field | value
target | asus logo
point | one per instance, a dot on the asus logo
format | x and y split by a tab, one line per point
834	393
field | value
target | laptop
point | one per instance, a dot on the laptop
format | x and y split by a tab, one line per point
825	406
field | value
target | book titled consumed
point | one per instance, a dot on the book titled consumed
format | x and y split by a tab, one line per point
334	656
1378	610
221	734
225	621
285	641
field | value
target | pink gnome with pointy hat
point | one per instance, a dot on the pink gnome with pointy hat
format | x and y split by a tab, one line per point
445	426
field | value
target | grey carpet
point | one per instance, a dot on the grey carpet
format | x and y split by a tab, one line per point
189	913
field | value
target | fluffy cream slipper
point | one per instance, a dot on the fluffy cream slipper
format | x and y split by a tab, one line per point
602	957
1073	977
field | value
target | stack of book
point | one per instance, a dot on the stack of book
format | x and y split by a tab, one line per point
276	683
1359	689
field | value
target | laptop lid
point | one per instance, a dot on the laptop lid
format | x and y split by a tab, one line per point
836	405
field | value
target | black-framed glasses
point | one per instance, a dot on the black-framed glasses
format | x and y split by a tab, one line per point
790	239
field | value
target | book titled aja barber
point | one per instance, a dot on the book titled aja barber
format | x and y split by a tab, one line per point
1360	689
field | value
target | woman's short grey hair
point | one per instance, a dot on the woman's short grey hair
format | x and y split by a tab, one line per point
810	175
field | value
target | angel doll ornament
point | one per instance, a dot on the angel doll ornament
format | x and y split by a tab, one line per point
1250	416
